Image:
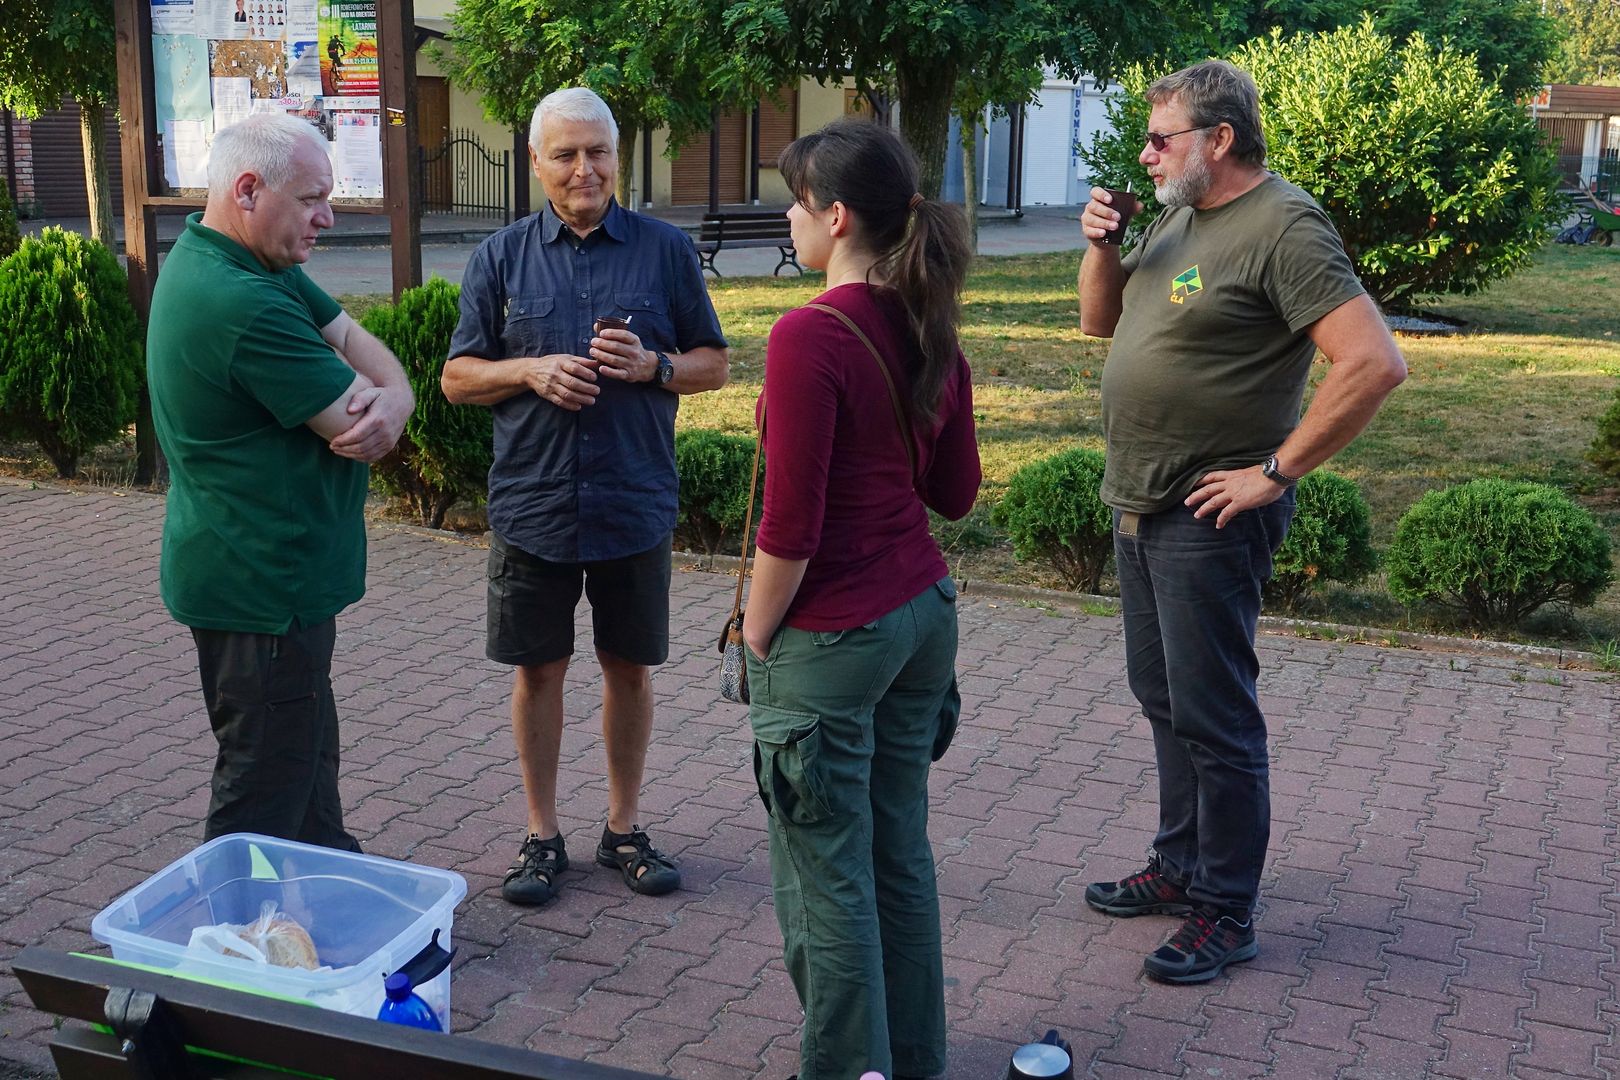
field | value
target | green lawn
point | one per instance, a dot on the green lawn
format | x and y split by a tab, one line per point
1516	394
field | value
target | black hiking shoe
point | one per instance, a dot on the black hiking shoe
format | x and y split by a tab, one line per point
532	879
1146	893
1202	948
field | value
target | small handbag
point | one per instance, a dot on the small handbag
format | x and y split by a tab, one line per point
733	657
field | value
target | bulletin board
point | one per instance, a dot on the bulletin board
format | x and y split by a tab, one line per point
217	61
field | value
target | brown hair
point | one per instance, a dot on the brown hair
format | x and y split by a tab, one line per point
922	244
1214	92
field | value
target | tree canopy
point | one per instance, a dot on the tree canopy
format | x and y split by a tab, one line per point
655	62
923	50
1513	40
1591	41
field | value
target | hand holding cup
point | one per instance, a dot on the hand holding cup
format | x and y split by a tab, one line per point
1107	215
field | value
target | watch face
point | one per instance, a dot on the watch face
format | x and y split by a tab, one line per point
666	370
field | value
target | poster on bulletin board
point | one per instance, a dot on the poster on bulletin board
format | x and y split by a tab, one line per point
217	61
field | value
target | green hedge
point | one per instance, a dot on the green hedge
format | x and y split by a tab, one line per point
1494	551
1330	539
1054	514
714	470
446	451
70	346
9	236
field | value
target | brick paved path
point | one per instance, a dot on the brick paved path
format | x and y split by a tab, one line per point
1440	902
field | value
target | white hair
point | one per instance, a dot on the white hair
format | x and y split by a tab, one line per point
576	103
262	144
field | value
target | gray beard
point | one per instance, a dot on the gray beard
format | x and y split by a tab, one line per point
1191	186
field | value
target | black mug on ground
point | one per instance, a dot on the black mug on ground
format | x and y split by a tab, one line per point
1048	1059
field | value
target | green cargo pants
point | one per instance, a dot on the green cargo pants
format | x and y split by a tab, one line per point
845	725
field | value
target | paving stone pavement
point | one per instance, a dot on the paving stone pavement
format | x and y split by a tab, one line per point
1440	901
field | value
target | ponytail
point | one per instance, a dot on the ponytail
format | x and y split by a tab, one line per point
928	268
922	244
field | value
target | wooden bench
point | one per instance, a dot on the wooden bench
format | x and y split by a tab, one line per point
746	229
168	1028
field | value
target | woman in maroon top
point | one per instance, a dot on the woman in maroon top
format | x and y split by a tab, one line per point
851	625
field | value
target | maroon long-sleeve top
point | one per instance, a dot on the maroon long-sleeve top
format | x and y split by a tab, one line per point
838	490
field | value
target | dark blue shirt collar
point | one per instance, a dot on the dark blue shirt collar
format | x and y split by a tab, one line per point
613	223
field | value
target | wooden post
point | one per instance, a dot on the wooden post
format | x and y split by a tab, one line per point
520	173
646	165
714	161
402	186
753	155
137	119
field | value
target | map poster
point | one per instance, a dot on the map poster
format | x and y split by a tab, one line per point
348	35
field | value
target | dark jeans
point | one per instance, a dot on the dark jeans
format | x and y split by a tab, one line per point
1191	598
270	704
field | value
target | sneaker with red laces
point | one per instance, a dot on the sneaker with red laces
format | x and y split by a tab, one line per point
1202	948
1146	893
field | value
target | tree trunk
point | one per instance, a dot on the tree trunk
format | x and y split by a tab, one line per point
925	118
97	185
627	164
969	124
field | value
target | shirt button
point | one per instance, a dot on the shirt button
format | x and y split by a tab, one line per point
587	438
584	296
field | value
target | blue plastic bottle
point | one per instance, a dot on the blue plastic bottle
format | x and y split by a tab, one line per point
404	1006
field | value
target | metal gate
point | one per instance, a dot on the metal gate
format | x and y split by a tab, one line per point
462	177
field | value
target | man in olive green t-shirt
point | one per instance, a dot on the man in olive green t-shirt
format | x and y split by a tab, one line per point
269	401
1216	316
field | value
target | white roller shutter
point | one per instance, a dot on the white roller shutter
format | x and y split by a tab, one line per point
1047	129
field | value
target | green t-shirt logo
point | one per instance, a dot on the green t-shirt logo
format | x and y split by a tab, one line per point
1186	283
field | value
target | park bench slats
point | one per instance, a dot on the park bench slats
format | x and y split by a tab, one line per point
746	229
261	1029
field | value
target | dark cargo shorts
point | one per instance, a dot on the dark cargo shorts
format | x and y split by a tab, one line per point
532	602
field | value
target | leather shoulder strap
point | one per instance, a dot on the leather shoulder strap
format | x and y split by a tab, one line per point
900	417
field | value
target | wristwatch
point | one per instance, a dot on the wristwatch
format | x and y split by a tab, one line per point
1270	471
666	370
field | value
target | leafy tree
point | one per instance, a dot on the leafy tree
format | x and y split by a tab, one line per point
1591	41
53	48
1512	40
922	49
657	63
1437	182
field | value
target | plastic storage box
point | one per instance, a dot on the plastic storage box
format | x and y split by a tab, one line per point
367	916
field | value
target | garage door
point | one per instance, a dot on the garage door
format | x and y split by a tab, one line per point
59	163
1047	128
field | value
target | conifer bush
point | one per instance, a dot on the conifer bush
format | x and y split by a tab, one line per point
446	451
714	470
71	346
1494	551
1330	539
1054	513
1605	449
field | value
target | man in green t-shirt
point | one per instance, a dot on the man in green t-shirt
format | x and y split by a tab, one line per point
269	401
1216	316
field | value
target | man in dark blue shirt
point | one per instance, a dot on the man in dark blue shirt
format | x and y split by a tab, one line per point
582	493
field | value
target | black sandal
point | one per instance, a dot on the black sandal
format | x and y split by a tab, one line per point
646	870
533	878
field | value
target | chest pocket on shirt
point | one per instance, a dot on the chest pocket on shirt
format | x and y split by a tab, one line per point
649	318
530	330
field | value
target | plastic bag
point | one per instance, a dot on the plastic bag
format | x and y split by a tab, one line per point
273	939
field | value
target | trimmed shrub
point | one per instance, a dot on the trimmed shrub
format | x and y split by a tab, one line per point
715	470
446	451
1330	539
1496	550
1053	512
1437	180
9	236
1605	450
70	346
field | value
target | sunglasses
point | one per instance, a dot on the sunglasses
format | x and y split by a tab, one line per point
1158	142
